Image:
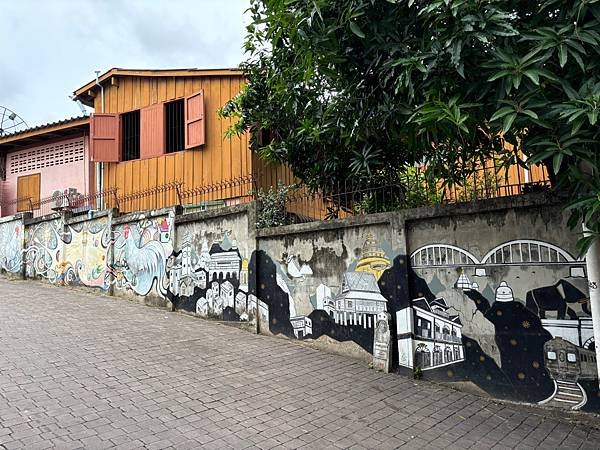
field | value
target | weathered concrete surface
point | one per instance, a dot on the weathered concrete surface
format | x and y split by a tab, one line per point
79	370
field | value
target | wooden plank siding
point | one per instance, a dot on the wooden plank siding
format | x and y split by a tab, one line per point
218	160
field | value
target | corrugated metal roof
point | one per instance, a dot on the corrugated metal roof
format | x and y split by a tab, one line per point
45	125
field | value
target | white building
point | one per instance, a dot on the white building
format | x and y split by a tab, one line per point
252	304
240	303
359	301
225	264
302	326
202	307
201	279
428	337
227	294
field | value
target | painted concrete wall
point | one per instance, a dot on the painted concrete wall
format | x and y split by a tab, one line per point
142	244
209	271
328	286
510	282
491	297
68	252
11	244
63	164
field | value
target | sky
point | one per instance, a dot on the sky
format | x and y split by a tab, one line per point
49	48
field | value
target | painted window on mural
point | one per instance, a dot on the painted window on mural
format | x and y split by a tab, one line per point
437	355
28	191
422	356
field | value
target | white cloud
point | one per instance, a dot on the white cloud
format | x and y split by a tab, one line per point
50	48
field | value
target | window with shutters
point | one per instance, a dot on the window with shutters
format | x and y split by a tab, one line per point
194	120
130	129
28	188
175	126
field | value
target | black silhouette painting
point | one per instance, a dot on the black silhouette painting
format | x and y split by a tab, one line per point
557	298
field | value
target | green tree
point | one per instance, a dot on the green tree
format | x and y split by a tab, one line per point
364	88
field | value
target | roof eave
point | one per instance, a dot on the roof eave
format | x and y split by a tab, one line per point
31	136
83	93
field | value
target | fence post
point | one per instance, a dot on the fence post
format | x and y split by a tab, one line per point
179	198
115	193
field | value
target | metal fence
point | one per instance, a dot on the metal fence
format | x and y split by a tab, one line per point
338	200
225	193
412	189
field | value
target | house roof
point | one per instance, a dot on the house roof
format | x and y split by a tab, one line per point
84	93
40	134
361	281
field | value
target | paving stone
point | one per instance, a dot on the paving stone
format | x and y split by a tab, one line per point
82	370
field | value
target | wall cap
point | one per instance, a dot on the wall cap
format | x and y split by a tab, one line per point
17	216
213	213
150	213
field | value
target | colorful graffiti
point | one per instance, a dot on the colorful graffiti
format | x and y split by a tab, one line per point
541	347
11	244
68	254
140	252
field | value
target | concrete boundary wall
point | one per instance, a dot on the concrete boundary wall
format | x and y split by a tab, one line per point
489	296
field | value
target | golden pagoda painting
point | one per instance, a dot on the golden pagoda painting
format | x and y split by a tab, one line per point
373	258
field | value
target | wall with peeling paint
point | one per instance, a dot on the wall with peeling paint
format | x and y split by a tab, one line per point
512	283
327	285
209	270
491	296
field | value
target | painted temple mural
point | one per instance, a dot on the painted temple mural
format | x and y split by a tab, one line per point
301	305
209	276
515	322
68	254
512	321
11	244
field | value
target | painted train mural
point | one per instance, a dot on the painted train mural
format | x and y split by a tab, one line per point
524	318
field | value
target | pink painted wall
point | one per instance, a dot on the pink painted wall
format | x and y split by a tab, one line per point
62	164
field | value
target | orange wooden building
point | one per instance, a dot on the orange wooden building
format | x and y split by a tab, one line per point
151	128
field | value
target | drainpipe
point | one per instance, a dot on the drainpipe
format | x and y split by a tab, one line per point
592	261
100	166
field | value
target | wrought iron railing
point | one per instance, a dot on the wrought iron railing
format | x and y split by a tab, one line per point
337	200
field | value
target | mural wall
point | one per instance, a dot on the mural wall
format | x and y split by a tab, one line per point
68	254
141	248
328	286
11	245
209	272
495	301
501	302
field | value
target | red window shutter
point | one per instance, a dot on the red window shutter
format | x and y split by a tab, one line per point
152	131
105	138
194	120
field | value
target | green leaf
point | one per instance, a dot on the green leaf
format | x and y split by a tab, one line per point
501	113
562	55
508	121
356	30
557	162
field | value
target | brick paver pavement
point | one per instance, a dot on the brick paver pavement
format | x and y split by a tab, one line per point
81	370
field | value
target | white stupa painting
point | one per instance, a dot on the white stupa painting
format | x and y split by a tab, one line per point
504	293
463	283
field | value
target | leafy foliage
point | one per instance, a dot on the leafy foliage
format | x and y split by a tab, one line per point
351	88
272	206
